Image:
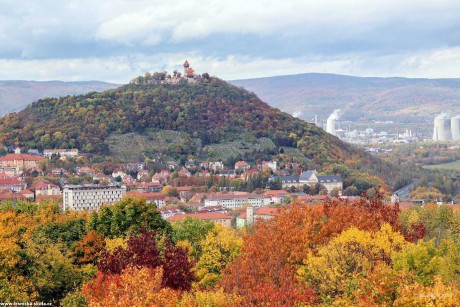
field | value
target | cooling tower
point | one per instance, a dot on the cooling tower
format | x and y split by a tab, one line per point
330	126
442	128
455	127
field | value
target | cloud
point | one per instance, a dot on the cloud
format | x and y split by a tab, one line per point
120	69
236	39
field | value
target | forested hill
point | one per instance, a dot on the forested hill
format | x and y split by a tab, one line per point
209	112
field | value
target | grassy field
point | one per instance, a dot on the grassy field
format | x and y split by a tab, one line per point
444	166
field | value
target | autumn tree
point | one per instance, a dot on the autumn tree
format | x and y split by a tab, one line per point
221	246
89	248
134	287
192	232
144	251
127	217
352	252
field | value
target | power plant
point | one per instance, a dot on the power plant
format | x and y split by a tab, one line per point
331	122
446	128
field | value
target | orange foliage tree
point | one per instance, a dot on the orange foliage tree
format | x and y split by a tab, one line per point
134	287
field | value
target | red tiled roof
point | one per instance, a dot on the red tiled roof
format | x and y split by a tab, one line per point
12	157
201	216
146	195
241	163
275	192
10	181
8	195
184	189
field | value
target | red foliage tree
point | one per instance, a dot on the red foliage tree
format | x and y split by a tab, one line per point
143	251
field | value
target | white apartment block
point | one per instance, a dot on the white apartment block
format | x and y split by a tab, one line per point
91	197
233	202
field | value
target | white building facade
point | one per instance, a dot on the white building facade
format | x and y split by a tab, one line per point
233	202
91	197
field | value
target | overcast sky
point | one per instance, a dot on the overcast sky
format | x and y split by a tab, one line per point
116	40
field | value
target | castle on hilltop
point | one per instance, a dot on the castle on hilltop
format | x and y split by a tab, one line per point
189	75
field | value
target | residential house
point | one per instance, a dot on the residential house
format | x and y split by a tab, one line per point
161	176
204	165
7	195
28	194
43	188
253	214
23	162
216	166
11	171
242	166
153	187
184	173
119	173
203	174
143	175
167	213
213	209
276	196
102	178
34	152
85	170
156	198
228	173
272	165
12	184
185	192
135	166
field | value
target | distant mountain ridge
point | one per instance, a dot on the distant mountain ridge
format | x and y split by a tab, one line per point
15	95
403	100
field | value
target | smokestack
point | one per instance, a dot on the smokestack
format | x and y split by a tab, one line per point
331	121
442	128
455	127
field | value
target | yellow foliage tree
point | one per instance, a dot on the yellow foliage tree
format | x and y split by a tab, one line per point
112	244
438	294
352	253
220	246
421	259
217	298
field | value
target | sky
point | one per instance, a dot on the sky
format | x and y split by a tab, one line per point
117	40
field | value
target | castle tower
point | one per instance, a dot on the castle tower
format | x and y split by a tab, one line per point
186	66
